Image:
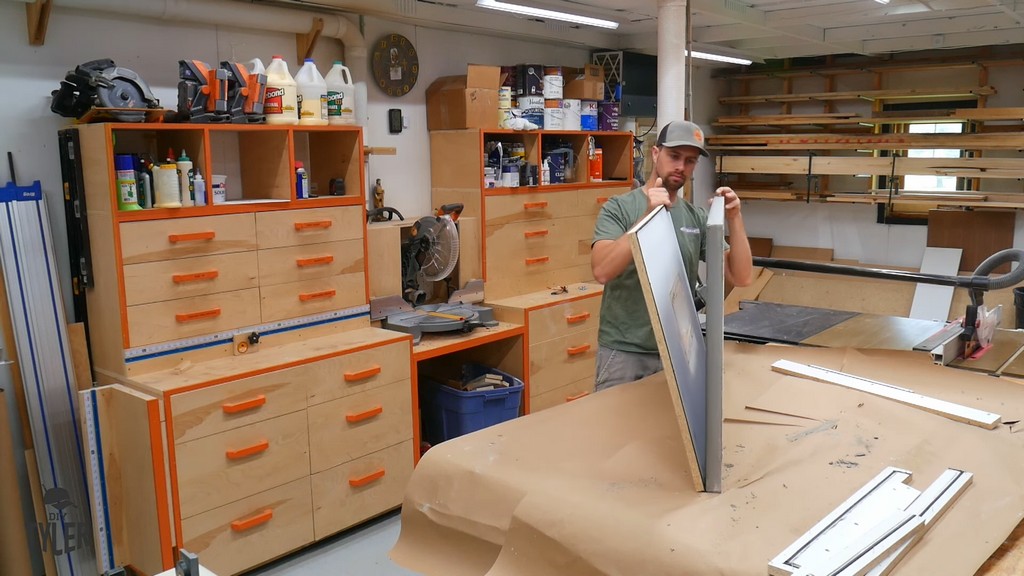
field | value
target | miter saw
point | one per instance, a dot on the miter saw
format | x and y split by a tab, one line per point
103	84
429	255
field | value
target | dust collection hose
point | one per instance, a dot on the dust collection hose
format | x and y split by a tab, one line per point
977	283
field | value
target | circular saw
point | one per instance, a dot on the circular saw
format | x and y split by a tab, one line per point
103	84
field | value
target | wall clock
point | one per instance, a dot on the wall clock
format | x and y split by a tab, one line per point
395	65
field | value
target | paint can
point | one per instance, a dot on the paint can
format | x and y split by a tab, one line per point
588	115
510	175
530	80
571	116
554	115
554	83
608	116
533	109
504	98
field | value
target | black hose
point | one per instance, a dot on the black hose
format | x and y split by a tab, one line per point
1016	276
973	282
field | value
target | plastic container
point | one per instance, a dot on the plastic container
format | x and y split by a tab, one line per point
301	182
199	187
256	66
341	95
281	103
312	91
166	186
218	186
185	178
127	189
449	412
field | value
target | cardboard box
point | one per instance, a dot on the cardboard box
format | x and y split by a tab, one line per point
468	101
585	83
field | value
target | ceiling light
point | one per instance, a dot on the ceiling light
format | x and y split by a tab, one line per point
882	1
719	58
541	13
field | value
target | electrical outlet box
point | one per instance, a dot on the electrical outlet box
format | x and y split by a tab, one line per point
245	343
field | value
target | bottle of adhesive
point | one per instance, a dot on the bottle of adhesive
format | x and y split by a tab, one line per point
301	182
166	186
186	176
199	185
341	96
312	90
127	190
281	103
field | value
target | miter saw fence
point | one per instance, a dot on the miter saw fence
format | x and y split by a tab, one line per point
103	84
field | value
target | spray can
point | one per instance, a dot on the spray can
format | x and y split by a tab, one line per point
301	182
312	95
199	187
185	176
341	97
127	191
281	102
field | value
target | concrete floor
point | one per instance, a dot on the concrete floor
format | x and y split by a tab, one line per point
360	551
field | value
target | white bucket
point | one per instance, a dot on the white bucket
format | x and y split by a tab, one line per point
554	115
504	98
571	117
533	109
553	86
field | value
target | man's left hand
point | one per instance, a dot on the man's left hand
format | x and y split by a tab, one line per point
732	201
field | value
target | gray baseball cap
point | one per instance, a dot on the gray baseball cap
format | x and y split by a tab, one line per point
682	133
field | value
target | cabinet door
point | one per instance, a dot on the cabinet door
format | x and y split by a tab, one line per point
154	240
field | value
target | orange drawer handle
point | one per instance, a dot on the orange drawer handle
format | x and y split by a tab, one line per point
576	397
194	276
191	237
577	318
535	233
575	350
315	261
200	315
306	297
300	226
537	260
531	205
248	450
375	411
249	523
373	477
362	374
602	199
236	407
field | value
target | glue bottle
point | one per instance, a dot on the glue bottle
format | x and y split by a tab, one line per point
341	97
199	185
186	176
281	102
166	186
312	90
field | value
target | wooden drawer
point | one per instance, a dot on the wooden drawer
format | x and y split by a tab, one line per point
174	319
310	261
353	426
353	373
562	394
363	488
562	319
531	246
312	296
239	403
592	199
249	532
185	277
310	226
234	464
557	362
508	208
154	240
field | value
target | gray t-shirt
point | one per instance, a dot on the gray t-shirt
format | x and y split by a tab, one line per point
625	322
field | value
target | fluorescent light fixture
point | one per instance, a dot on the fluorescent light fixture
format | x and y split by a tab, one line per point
718	58
882	1
541	13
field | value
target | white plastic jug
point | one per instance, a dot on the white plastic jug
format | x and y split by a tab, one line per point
312	95
341	95
281	103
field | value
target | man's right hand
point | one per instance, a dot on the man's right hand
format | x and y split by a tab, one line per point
657	195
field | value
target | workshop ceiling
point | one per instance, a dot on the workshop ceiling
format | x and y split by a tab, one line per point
755	29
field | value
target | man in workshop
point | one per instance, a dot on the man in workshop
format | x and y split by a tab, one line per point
627	349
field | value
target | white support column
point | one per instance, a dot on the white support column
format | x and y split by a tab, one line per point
671	60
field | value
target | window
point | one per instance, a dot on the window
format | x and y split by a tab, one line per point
933	182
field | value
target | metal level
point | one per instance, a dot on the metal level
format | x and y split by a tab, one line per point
44	360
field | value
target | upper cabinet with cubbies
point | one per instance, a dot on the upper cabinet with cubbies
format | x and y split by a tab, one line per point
260	253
